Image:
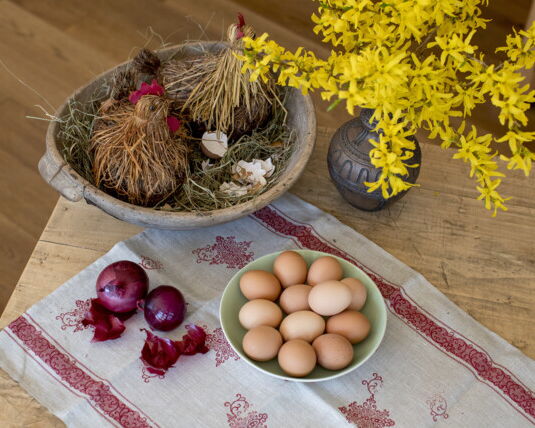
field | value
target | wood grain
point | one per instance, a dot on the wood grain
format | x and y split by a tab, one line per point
485	265
26	200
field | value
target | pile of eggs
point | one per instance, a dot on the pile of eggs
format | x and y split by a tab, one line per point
314	320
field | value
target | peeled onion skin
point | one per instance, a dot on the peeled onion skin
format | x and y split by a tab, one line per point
160	353
121	285
108	326
164	308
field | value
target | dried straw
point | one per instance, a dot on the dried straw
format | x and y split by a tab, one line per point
146	62
123	82
226	99
90	141
134	155
181	76
74	135
214	91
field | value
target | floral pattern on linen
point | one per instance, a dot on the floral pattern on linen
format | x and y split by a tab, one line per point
241	415
226	250
367	415
73	319
217	342
438	407
150	264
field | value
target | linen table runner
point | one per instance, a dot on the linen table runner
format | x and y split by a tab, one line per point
436	366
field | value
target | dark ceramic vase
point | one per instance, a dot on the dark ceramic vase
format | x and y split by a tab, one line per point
350	167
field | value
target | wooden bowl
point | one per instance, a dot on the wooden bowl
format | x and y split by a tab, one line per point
60	175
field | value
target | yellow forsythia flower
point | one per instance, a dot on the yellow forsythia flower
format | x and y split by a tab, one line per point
383	58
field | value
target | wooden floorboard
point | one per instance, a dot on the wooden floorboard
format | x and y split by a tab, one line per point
55	46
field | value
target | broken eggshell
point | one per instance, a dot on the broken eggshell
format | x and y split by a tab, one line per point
254	172
233	189
214	144
250	177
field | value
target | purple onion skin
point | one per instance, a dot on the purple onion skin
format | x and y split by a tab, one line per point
120	286
165	308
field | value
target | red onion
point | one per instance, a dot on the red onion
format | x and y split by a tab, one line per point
121	285
165	308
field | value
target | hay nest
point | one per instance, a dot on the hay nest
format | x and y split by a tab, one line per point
128	150
200	186
200	191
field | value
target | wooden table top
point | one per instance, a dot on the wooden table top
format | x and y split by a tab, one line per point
485	265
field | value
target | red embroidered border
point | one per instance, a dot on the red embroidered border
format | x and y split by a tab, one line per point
447	341
113	389
97	392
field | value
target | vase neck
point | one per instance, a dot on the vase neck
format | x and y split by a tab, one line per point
365	117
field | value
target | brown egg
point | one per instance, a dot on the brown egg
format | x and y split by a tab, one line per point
329	298
334	352
295	298
304	325
260	312
291	268
324	269
259	284
358	291
262	343
353	325
297	358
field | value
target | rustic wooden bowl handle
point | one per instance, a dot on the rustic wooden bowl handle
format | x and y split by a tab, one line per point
57	176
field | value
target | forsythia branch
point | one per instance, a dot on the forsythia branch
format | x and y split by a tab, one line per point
414	63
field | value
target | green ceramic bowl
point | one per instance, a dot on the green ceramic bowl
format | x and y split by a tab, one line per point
232	301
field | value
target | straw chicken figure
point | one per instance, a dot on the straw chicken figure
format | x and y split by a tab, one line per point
218	94
181	76
140	152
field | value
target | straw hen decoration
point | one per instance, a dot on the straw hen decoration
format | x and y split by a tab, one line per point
136	154
213	90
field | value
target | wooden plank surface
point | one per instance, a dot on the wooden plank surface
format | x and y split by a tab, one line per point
485	265
28	44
